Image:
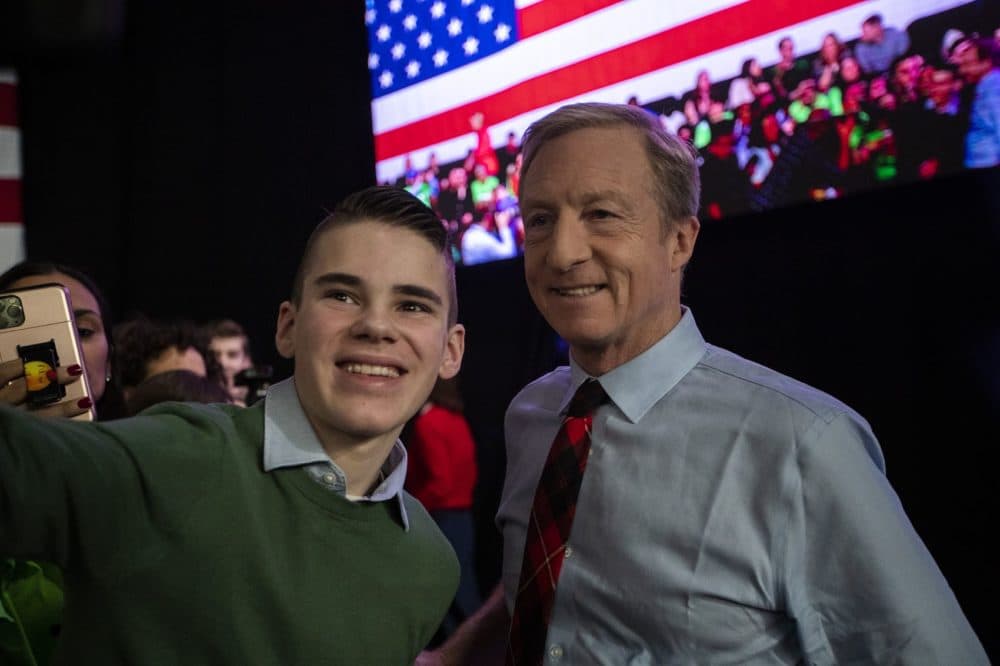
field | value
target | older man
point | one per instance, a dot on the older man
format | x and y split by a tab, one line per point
667	501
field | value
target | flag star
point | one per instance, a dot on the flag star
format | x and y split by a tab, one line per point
502	33
398	50
395	6
412	68
440	58
424	39
385	79
410	22
485	14
369	16
466	3
471	45
454	27
373	61
383	33
437	9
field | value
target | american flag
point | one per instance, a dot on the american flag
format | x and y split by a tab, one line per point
434	63
11	228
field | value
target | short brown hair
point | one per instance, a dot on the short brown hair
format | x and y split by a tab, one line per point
672	160
227	328
394	207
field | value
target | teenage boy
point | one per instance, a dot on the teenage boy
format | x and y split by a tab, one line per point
274	534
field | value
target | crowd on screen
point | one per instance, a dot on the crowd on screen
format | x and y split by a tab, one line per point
793	127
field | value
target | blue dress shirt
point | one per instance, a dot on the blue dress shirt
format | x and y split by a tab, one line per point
728	514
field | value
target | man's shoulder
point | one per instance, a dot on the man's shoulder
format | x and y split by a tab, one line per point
770	385
546	392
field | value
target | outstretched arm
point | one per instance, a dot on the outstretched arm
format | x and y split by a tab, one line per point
480	640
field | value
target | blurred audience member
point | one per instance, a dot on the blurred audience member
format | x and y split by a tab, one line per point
879	45
749	85
979	64
850	72
508	153
484	153
230	346
175	386
455	200
489	238
482	186
826	64
146	347
786	74
698	101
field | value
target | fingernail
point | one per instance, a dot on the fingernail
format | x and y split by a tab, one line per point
84	403
74	370
52	375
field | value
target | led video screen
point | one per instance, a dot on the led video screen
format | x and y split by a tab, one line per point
786	101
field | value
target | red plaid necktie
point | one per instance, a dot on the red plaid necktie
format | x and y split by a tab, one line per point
548	530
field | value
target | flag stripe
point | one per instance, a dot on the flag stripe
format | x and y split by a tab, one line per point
539	17
714	31
562	46
8	104
10	200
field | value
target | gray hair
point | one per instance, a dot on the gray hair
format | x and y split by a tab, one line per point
672	160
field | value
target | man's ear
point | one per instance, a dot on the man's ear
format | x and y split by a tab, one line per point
453	350
284	338
685	233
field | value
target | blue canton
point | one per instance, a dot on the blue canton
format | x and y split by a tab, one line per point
410	41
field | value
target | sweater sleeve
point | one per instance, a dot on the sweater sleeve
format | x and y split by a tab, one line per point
85	495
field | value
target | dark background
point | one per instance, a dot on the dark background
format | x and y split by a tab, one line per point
181	153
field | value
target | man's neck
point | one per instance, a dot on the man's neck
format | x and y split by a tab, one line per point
601	359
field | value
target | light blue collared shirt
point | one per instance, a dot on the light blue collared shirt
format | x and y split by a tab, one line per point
289	441
728	514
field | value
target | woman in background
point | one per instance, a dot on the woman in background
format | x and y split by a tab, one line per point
31	595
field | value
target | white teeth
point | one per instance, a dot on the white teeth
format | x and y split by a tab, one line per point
374	370
579	291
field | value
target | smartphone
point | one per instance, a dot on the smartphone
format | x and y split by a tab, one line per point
37	326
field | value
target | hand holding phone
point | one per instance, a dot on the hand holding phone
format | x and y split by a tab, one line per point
41	362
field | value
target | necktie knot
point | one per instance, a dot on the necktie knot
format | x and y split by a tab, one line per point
587	398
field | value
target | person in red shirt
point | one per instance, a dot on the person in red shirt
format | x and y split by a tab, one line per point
441	473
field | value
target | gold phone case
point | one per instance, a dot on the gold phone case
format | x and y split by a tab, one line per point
45	314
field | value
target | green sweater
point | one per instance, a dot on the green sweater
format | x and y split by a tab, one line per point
177	548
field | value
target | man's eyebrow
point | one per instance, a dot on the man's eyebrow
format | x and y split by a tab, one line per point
603	195
419	292
583	198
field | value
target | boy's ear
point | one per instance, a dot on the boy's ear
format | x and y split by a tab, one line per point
454	349
284	338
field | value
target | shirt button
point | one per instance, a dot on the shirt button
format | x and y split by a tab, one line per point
568	553
329	478
556	652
